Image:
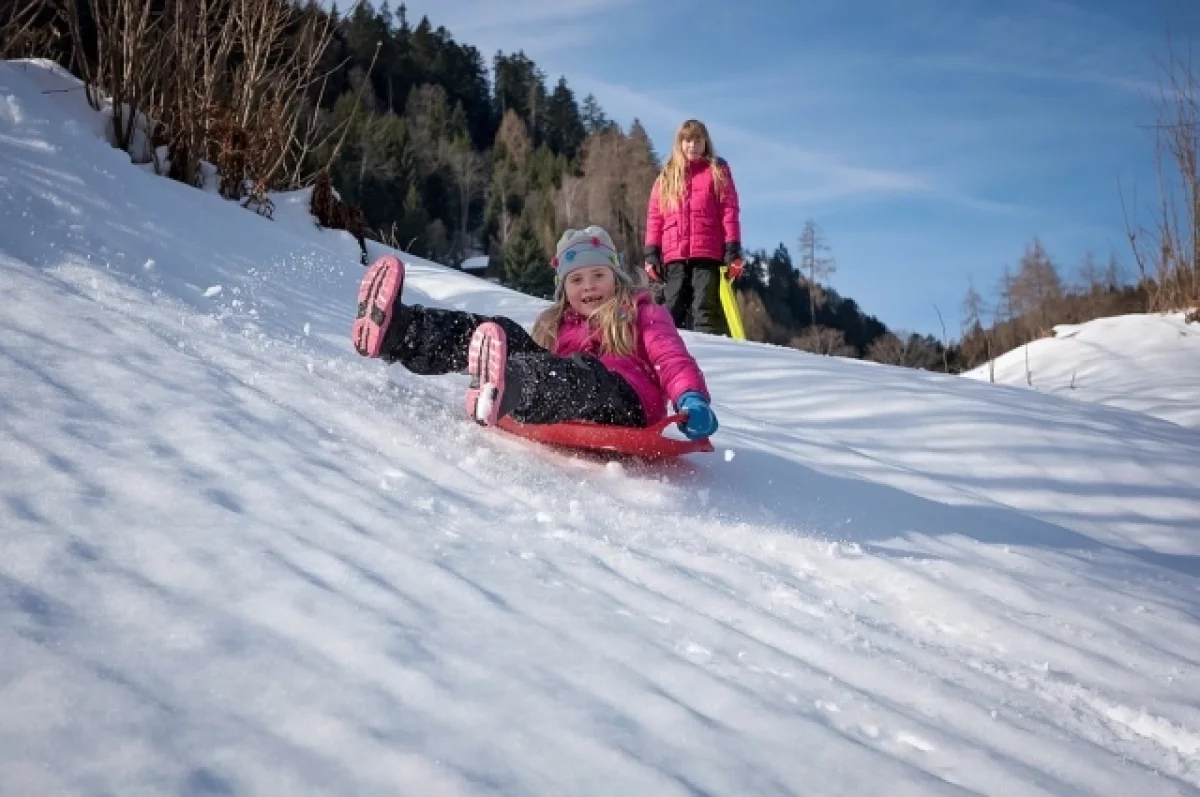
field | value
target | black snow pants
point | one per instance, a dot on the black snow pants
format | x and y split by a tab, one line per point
693	287
540	386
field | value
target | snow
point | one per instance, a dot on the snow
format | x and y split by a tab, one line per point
476	264
237	559
1145	363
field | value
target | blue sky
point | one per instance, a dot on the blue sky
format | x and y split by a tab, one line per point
930	139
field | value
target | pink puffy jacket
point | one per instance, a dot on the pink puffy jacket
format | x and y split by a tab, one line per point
702	224
660	368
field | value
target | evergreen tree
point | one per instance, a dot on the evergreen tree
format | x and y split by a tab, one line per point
593	117
465	77
387	66
520	86
525	264
786	300
364	31
347	169
564	126
403	74
425	48
413	224
394	171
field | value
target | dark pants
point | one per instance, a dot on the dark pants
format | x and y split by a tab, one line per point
693	286
540	387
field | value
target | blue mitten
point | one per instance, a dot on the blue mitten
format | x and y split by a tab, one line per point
701	422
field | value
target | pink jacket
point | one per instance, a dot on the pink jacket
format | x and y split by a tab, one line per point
660	368
702	224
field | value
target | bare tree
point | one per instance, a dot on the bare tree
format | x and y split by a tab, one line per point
511	149
815	264
514	138
641	169
427	117
128	39
467	167
755	319
1096	292
1036	290
887	349
1005	310
223	80
823	340
571	207
945	341
976	338
618	173
199	42
1113	276
604	179
283	45
909	351
1168	252
21	33
1090	274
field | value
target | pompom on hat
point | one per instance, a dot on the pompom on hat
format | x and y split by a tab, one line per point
591	246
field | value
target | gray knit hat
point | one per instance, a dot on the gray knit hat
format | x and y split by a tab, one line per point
591	246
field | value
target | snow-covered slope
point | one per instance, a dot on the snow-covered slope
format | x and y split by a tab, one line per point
1146	363
236	559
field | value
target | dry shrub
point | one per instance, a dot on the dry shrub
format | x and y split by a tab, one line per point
225	80
334	214
23	29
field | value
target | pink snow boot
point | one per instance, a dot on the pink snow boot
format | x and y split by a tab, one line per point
487	356
380	286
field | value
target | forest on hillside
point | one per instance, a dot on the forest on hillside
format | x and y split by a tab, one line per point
442	152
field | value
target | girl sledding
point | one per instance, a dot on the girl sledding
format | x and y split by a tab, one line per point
602	353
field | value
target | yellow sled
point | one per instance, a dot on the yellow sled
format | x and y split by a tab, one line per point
733	316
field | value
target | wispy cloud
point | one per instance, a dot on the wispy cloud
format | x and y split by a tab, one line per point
652	107
1079	74
1050	41
788	173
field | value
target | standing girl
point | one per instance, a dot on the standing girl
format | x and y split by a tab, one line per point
603	352
693	227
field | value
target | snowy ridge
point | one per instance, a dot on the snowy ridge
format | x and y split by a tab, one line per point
235	558
1145	363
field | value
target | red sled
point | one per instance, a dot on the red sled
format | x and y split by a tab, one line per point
647	443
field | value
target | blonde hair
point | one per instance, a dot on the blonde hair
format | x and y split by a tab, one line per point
674	173
616	320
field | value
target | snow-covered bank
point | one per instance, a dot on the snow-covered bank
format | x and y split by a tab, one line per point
1145	363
